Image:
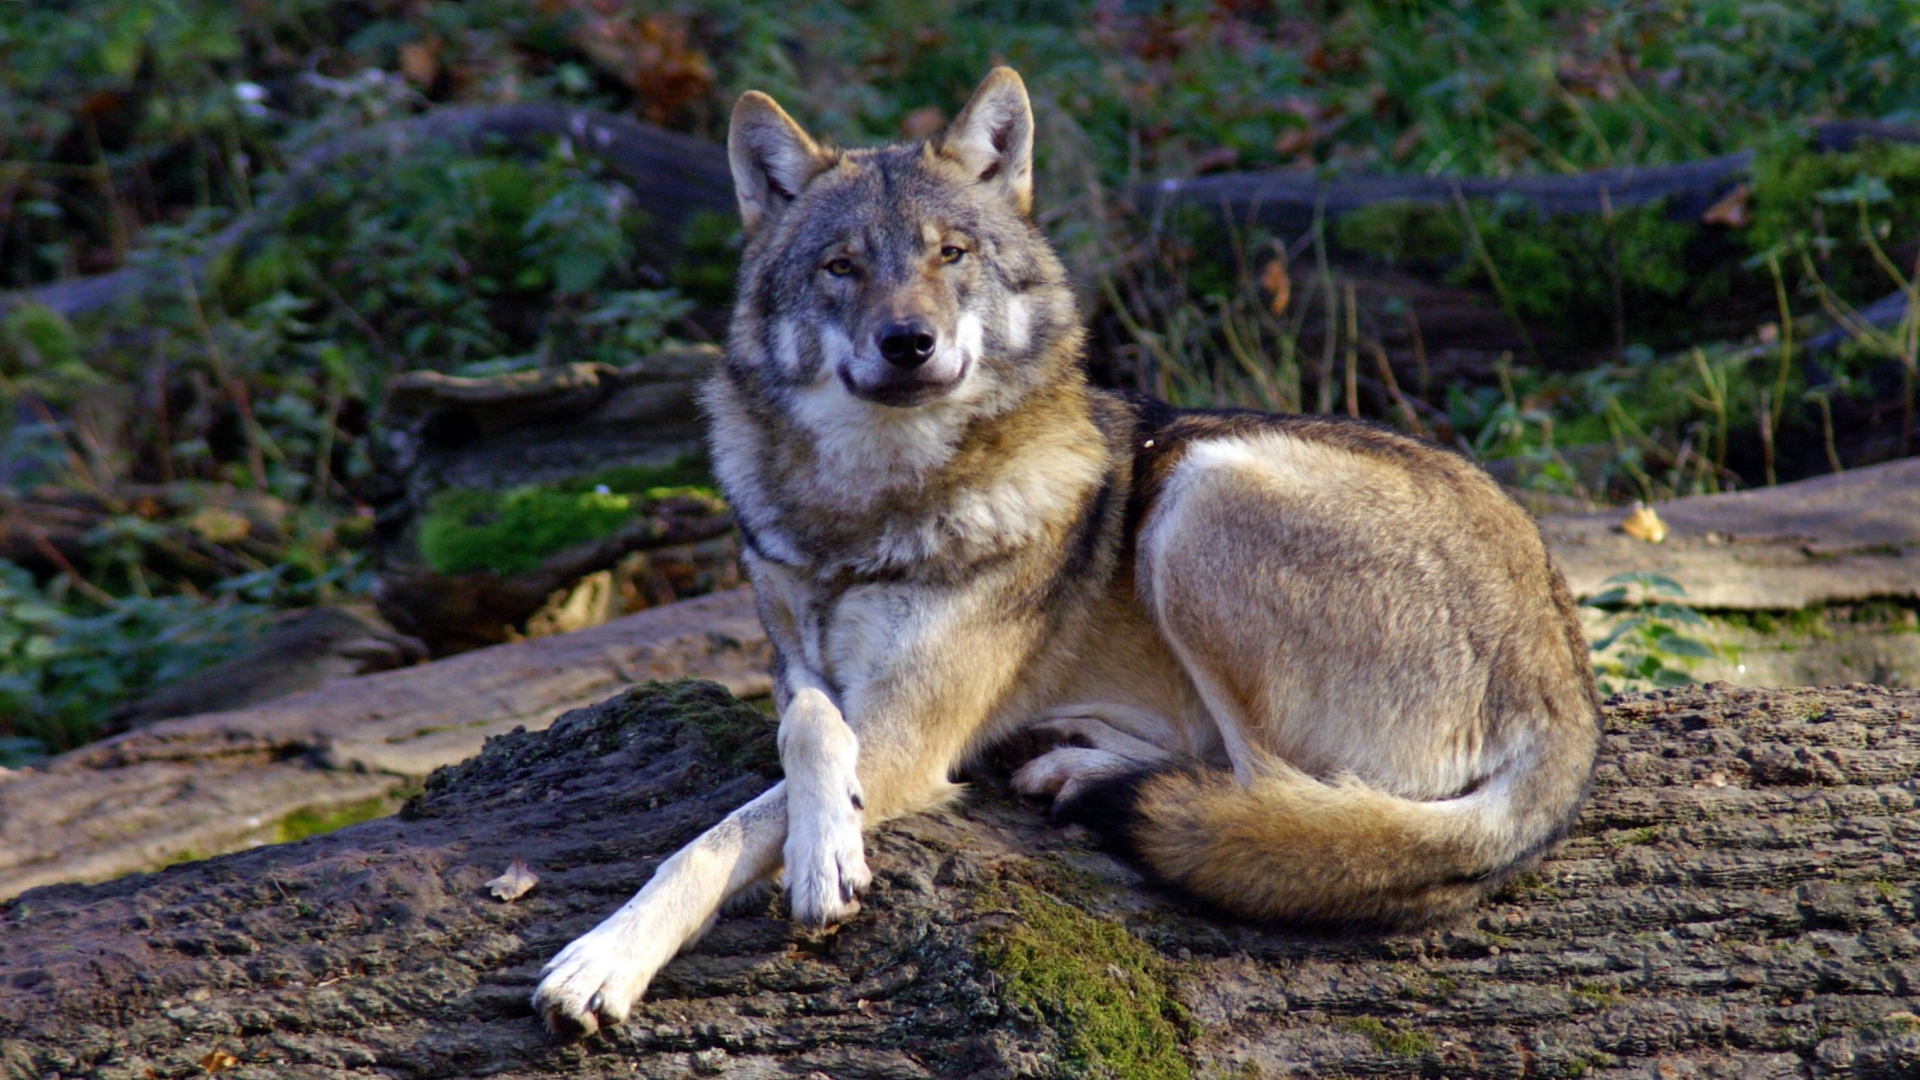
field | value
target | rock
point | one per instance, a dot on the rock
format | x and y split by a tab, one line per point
1737	900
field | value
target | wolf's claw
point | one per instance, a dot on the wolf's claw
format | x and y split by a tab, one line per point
594	982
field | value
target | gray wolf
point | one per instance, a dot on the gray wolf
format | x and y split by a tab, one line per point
1312	669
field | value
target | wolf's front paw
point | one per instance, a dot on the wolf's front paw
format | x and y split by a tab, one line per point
826	858
594	981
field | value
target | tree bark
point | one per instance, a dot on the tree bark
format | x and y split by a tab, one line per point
1736	900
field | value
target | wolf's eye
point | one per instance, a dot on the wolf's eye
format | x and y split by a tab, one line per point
840	267
951	254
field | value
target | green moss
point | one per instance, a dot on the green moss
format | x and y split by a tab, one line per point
1103	989
1560	269
1754	622
1387	1040
741	734
511	532
1599	994
689	473
315	820
1634	838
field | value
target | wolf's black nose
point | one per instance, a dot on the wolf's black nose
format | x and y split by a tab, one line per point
907	343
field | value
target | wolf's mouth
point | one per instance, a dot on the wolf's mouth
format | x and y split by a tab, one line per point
906	390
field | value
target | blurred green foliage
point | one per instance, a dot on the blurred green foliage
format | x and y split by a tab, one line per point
62	669
132	131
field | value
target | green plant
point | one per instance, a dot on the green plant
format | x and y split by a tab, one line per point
1834	208
1643	644
65	663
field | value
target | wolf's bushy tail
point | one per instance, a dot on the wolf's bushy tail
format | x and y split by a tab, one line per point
1289	847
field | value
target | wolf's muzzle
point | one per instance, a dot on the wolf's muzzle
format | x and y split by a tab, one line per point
907	343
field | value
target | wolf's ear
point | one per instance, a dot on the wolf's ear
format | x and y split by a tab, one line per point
992	138
771	156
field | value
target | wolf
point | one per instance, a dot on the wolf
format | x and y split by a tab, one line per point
1305	669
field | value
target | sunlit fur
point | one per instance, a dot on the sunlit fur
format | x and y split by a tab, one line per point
1307	669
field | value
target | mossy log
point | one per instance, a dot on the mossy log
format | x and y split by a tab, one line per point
1738	899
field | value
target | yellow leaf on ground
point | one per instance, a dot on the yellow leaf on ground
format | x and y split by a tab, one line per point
219	525
1644	524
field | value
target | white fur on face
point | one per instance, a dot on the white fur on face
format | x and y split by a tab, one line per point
864	447
786	346
969	339
1018	326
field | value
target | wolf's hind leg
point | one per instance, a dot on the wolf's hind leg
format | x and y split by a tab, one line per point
1088	749
825	852
598	977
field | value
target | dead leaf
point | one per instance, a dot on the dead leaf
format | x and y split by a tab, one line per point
219	525
515	883
217	1060
652	56
420	61
591	601
1278	284
1644	524
1732	210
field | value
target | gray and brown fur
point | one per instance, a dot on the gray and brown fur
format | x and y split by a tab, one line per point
1323	671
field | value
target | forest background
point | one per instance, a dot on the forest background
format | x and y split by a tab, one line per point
211	437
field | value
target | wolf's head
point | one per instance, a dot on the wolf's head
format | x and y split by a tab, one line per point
895	278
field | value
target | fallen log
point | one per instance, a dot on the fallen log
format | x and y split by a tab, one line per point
200	785
1291	201
1850	536
1738	899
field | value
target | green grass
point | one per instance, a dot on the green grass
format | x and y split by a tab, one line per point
316	821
